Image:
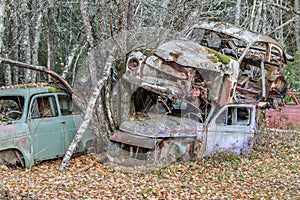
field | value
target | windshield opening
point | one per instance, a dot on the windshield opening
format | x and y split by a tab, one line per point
11	108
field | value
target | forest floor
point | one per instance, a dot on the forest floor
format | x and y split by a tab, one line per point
270	171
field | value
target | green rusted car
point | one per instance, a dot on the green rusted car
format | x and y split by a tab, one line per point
38	123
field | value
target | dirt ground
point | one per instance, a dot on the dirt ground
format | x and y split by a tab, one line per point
270	171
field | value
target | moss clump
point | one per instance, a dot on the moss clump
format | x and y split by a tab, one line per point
217	56
53	89
213	59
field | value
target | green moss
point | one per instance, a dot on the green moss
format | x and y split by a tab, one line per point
223	58
218	56
53	89
147	52
213	59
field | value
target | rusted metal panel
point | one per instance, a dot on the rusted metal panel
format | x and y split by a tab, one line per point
224	71
286	116
261	59
139	141
162	126
182	69
236	32
232	129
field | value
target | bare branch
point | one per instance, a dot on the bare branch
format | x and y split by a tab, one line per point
40	69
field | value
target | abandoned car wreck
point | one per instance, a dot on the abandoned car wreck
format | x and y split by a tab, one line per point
38	122
209	87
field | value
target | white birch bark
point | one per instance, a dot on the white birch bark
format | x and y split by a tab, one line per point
88	114
7	71
238	12
102	18
297	24
26	41
252	15
2	28
37	38
83	4
70	59
258	17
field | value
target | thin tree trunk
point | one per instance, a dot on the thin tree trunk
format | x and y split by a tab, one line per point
252	15
264	23
37	38
297	25
16	50
83	4
122	12
258	17
70	59
7	71
27	41
2	28
88	114
238	12
102	18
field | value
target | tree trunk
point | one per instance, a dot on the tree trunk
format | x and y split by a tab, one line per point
2	28
88	114
102	18
238	12
297	25
27	41
83	4
122	14
7	71
258	17
37	38
70	59
252	15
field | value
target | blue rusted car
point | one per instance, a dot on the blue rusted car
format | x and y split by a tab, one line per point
38	123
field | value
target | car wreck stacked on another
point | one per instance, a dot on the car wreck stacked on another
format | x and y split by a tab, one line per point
210	86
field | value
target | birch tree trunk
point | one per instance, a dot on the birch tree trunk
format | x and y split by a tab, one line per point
7	71
252	18
123	12
238	12
26	41
102	18
83	4
258	17
297	25
88	114
37	38
70	59
2	28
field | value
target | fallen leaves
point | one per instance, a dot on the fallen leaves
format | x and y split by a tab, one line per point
271	173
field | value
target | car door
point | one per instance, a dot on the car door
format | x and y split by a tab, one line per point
231	129
46	127
71	119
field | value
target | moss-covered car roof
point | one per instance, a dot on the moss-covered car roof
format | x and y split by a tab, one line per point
27	89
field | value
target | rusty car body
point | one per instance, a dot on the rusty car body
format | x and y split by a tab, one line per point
287	115
37	122
261	59
209	86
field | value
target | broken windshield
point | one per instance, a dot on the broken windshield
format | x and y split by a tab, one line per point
11	108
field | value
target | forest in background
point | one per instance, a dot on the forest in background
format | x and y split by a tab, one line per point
60	34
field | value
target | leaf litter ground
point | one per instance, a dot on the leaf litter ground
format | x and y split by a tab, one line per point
270	171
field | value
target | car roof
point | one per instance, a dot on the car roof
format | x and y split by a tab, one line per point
24	89
236	31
